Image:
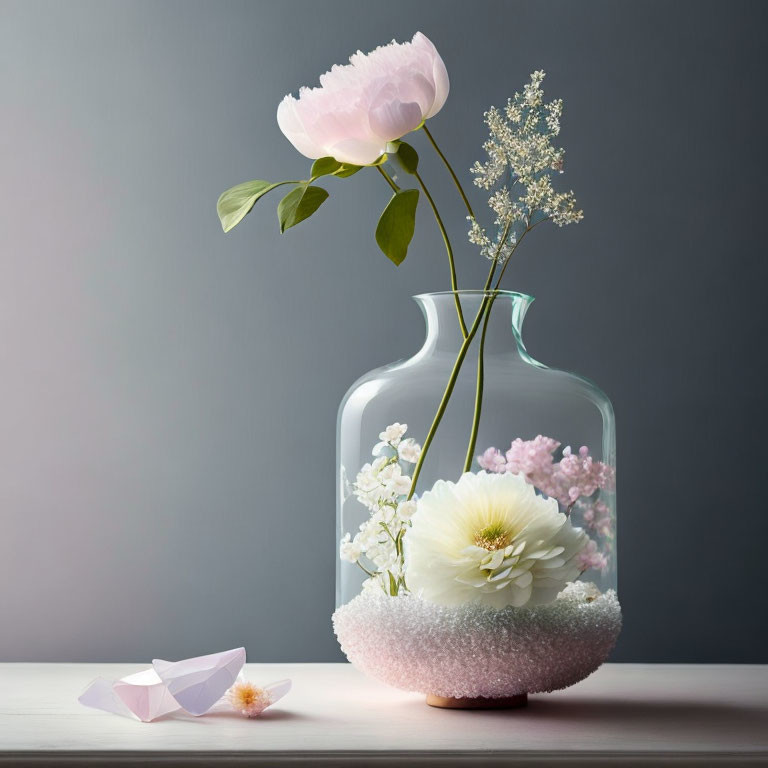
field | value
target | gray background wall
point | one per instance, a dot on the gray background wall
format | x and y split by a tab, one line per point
168	394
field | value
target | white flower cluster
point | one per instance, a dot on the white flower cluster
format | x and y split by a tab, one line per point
520	151
382	486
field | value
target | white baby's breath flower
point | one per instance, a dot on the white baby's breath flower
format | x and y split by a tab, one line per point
490	539
350	551
382	449
406	510
409	450
393	433
382	487
395	482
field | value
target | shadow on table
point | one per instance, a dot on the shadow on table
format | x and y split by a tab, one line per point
687	719
272	716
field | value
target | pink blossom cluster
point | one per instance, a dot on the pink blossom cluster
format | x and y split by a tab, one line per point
574	476
596	517
591	558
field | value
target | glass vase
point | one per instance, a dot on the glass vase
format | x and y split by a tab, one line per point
474	396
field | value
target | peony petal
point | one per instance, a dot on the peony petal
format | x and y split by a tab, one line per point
291	125
417	87
393	119
439	73
356	151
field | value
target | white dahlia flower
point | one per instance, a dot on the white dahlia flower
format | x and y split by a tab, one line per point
490	539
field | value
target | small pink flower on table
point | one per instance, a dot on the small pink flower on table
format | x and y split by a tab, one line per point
250	700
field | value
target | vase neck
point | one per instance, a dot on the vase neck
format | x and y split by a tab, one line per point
503	332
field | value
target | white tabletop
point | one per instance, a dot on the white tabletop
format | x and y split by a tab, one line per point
625	714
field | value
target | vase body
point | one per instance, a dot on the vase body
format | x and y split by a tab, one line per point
521	398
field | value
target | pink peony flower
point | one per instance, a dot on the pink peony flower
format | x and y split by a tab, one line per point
361	106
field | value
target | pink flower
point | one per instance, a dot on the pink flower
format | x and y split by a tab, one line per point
250	700
597	517
492	460
590	558
574	476
361	106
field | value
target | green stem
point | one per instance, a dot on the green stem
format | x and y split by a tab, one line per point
457	367
478	389
490	276
450	169
370	573
388	178
480	358
448	248
446	396
509	258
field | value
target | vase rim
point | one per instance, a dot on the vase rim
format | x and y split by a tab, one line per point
476	292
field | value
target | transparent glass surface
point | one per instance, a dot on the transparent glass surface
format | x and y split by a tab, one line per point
522	398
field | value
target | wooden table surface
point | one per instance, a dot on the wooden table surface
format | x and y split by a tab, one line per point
625	714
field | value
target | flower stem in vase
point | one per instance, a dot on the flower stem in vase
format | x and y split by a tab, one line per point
479	389
447	395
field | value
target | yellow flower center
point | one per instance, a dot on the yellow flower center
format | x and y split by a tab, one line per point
492	537
246	696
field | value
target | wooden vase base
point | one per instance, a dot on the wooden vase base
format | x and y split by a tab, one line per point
480	702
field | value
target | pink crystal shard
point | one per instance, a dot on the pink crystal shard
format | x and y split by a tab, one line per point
101	695
145	695
142	695
198	683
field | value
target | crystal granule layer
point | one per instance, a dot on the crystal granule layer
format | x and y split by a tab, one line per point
472	650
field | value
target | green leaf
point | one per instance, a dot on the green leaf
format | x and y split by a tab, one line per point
392	584
236	203
408	157
325	166
347	170
395	229
300	203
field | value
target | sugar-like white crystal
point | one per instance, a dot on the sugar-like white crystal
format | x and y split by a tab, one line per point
472	650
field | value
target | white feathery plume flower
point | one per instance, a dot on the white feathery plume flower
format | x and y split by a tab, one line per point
490	539
520	152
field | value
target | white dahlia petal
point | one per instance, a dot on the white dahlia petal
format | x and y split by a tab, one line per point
490	539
